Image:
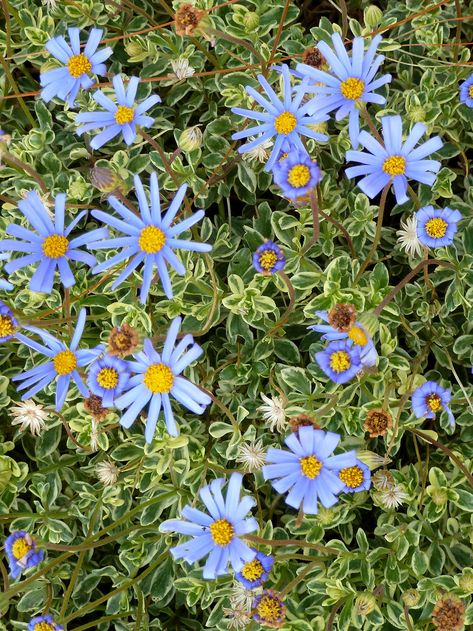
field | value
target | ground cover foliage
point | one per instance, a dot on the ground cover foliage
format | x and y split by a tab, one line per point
94	494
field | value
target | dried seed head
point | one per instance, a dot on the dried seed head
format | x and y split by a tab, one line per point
187	19
302	420
448	614
313	57
123	340
93	405
342	317
377	422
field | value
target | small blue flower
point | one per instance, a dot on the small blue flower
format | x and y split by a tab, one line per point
268	609
466	91
356	478
8	323
150	238
50	245
4	284
63	363
436	227
351	83
296	175
157	378
22	552
285	119
340	361
308	471
254	573
357	336
108	377
218	533
65	82
268	259
430	399
44	623
396	161
121	117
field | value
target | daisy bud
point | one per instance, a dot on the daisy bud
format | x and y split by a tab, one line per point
190	139
372	16
365	603
106	180
411	597
251	21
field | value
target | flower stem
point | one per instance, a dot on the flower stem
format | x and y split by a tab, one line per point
290	586
16	163
239	42
377	236
342	230
292	542
315	222
290	307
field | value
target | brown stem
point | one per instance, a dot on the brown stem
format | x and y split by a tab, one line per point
344	12
315	222
377	236
292	542
333	613
295	581
15	162
342	230
239	42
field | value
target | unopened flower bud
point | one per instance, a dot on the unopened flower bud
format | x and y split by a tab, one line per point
372	16
190	139
106	180
251	21
365	603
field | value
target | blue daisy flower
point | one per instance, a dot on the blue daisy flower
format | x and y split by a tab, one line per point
63	363
4	284
355	478
356	335
150	238
8	323
44	623
268	609
296	175
50	246
285	119
396	161
430	399
351	82
340	361
108	377
158	378
466	91
268	259
436	227
254	573
121	117
308	471
22	552
65	82
218	533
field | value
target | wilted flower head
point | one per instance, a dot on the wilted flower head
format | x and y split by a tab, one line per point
259	152
182	68
313	57
408	239
93	405
29	415
448	614
269	609
187	19
302	420
107	472
377	422
123	340
252	455
342	317
237	616
273	412
392	497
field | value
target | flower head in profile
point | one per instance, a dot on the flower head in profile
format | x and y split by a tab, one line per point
356	478
395	161
273	411
350	82
436	227
307	470
356	336
148	238
65	82
22	552
44	623
254	573
50	246
285	119
430	399
157	378
296	175
216	533
8	323
340	361
269	609
108	377
63	362
29	415
122	117
408	239
466	91
269	259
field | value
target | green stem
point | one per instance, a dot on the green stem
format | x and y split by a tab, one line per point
292	542
94	624
377	236
290	307
300	577
18	587
342	230
240	42
16	163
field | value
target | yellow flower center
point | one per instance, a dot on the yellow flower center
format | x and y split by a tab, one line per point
285	123
269	609
222	532
151	239
79	65
358	336
470	91
6	326
43	626
434	402
20	547
158	378
268	260
310	467
436	227
107	378
395	165
352	88
253	570
65	362
298	175
340	361
55	246
124	115
351	476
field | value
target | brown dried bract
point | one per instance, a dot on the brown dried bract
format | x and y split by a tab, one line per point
448	614
123	340
93	405
187	19
302	420
313	57
377	422
342	317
